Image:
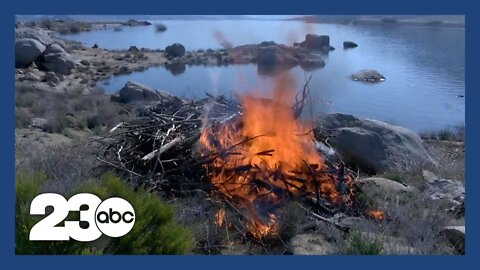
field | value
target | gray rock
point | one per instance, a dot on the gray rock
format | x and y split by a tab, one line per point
450	191
175	50
160	27
385	192
38	34
368	75
133	91
56	59
85	62
349	44
316	42
30	76
51	77
26	51
38	123
271	56
373	145
54	48
386	186
455	236
137	23
133	49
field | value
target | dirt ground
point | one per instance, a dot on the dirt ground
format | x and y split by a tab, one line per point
450	156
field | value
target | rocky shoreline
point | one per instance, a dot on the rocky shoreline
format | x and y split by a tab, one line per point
76	65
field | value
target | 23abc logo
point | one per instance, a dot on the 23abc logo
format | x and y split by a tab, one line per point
113	217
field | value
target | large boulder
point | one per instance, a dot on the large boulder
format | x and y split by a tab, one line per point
38	34
26	51
368	75
133	91
175	50
56	59
374	146
316	42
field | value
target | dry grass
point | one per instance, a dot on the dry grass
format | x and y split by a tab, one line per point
74	109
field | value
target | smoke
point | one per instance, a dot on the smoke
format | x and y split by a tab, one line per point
220	37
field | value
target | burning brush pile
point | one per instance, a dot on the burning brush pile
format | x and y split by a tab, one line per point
254	155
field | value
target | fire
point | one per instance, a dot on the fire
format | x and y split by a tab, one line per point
220	217
375	214
265	156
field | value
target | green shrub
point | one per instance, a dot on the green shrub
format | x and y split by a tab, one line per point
27	187
155	230
359	244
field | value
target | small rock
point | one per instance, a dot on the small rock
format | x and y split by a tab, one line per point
30	76
85	62
349	44
38	123
160	27
133	49
455	236
451	191
95	46
51	77
368	75
385	186
137	23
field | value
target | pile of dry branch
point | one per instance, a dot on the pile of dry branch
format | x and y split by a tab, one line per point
159	148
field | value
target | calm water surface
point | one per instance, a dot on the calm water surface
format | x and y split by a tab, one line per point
424	67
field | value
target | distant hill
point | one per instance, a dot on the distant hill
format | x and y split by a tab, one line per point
429	20
135	17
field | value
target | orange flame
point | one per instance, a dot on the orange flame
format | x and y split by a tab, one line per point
375	214
265	156
220	217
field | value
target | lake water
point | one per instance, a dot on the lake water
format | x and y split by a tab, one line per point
424	67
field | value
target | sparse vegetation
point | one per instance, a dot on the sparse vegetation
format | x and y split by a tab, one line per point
74	109
363	244
453	133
